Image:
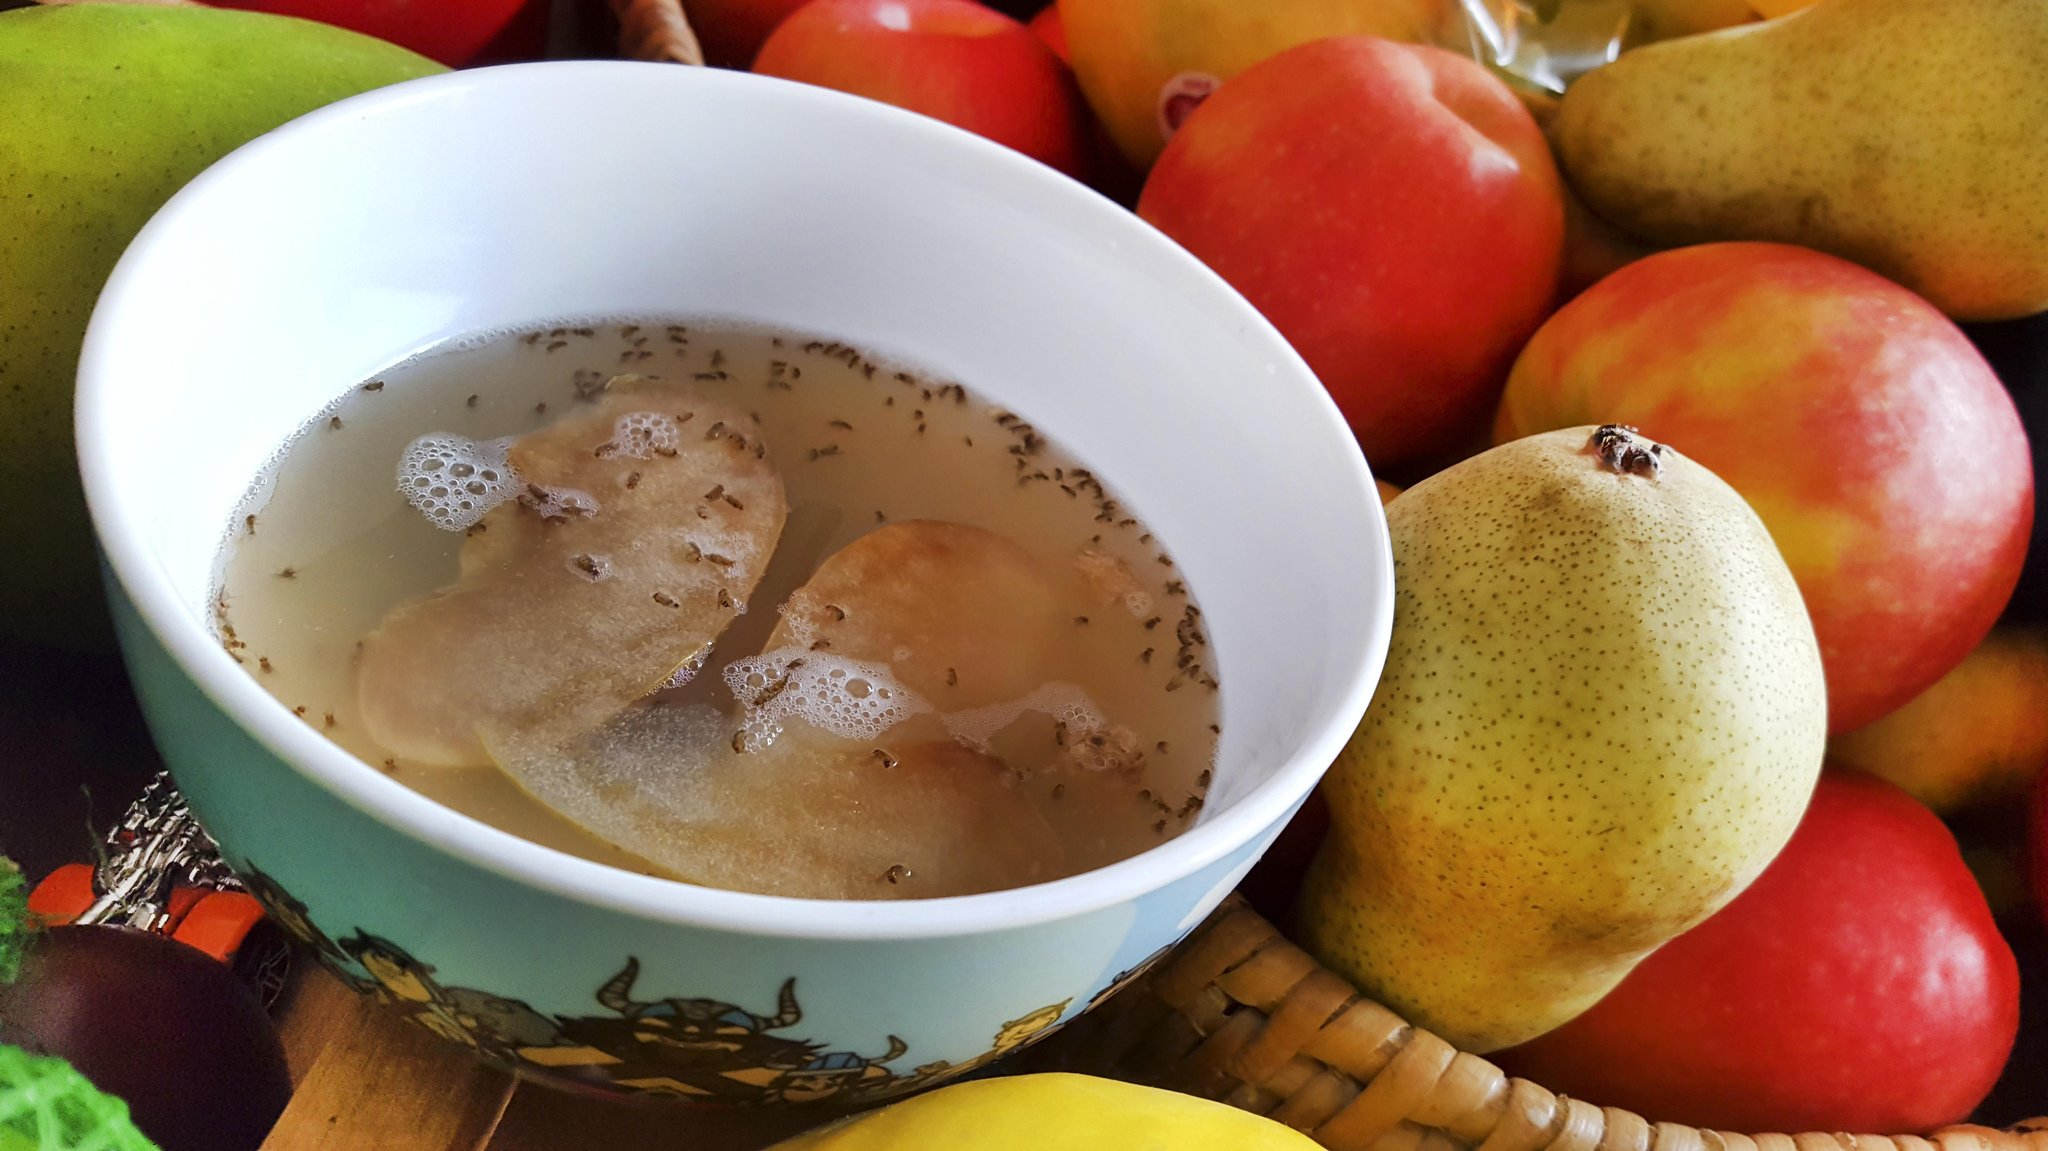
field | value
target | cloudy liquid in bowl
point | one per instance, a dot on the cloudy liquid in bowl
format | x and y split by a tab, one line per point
731	605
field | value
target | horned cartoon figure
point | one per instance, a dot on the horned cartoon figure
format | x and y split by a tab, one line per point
708	1048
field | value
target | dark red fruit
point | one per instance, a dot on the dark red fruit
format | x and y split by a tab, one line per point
1275	880
1858	985
155	1023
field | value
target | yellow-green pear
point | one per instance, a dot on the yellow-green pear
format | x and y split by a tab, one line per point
105	111
1664	19
1602	715
1908	135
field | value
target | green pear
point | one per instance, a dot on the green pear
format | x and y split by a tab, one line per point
1664	19
105	111
1602	715
1907	135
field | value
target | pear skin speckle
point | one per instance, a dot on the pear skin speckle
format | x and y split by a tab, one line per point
1602	715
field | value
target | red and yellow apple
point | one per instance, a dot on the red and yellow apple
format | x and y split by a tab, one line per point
1393	209
1877	446
1858	985
953	60
1146	63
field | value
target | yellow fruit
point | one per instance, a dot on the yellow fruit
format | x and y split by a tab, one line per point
1903	134
1602	715
105	110
1133	57
1054	1113
1387	491
1980	733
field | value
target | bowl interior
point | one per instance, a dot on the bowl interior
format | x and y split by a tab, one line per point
370	230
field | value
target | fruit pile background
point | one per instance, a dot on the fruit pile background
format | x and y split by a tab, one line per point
68	721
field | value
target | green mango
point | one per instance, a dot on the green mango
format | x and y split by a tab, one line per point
105	111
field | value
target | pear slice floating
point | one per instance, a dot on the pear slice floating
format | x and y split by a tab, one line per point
814	816
841	778
960	615
644	523
958	621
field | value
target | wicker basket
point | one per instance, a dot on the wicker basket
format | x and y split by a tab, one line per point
1239	1014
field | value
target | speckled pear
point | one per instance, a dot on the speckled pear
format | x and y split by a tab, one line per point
1906	135
1602	715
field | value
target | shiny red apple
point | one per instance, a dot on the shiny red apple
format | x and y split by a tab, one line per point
1393	209
1858	985
953	60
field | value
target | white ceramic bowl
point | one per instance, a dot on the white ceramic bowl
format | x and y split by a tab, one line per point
349	239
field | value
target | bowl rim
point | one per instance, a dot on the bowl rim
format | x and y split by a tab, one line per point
198	656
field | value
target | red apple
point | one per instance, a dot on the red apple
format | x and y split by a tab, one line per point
1048	26
454	32
731	32
1392	208
1274	881
1858	985
951	59
1873	440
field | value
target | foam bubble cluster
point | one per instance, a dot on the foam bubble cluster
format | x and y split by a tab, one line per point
453	480
688	669
849	698
644	435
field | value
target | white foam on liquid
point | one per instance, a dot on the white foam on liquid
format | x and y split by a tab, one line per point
642	435
453	480
846	697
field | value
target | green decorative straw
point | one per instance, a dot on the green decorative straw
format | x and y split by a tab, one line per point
14	925
46	1105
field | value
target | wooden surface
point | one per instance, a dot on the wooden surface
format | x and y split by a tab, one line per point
365	1078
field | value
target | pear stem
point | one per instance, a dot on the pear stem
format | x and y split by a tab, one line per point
1627	452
